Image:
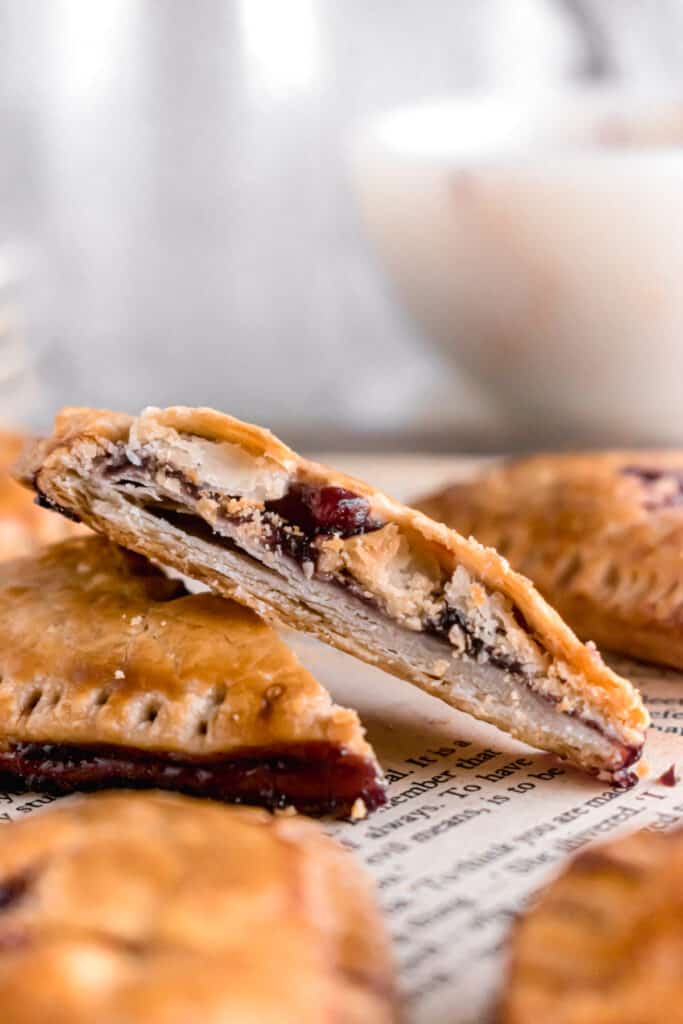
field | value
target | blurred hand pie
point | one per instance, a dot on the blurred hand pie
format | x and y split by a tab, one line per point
601	536
156	908
603	944
24	527
113	675
230	505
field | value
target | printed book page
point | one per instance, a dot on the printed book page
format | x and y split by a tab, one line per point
475	821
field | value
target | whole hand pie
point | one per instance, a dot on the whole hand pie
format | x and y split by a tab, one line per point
603	944
23	526
110	674
230	505
601	536
159	909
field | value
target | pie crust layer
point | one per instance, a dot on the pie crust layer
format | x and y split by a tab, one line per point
604	942
227	503
111	674
601	536
131	907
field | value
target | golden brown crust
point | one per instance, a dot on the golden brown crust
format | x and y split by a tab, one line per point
97	647
81	434
603	943
23	526
601	535
158	908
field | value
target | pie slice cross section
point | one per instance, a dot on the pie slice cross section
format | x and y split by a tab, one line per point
112	674
228	504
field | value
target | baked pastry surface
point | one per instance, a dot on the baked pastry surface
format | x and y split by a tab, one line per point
113	675
129	908
603	944
227	503
601	536
24	527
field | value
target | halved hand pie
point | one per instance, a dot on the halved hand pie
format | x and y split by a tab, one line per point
110	674
601	536
604	942
23	526
155	908
229	504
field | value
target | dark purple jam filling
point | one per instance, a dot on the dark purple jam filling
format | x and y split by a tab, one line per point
306	513
43	502
291	524
316	778
650	476
474	645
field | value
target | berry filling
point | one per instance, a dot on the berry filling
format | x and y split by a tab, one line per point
664	486
316	778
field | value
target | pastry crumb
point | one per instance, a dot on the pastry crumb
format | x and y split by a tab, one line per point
136	620
285	812
119	674
440	667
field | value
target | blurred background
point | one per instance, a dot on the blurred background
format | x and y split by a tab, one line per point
399	225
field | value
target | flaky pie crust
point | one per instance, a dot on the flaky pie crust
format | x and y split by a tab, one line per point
97	646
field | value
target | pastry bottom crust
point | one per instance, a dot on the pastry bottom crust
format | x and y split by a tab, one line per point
315	778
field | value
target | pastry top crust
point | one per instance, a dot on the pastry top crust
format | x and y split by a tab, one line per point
23	526
601	535
80	432
604	941
98	646
121	908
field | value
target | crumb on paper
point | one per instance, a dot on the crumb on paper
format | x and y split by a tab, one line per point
642	769
668	777
358	810
119	674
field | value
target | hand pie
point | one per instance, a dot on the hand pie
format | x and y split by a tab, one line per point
158	909
604	941
227	503
601	536
112	675
23	526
